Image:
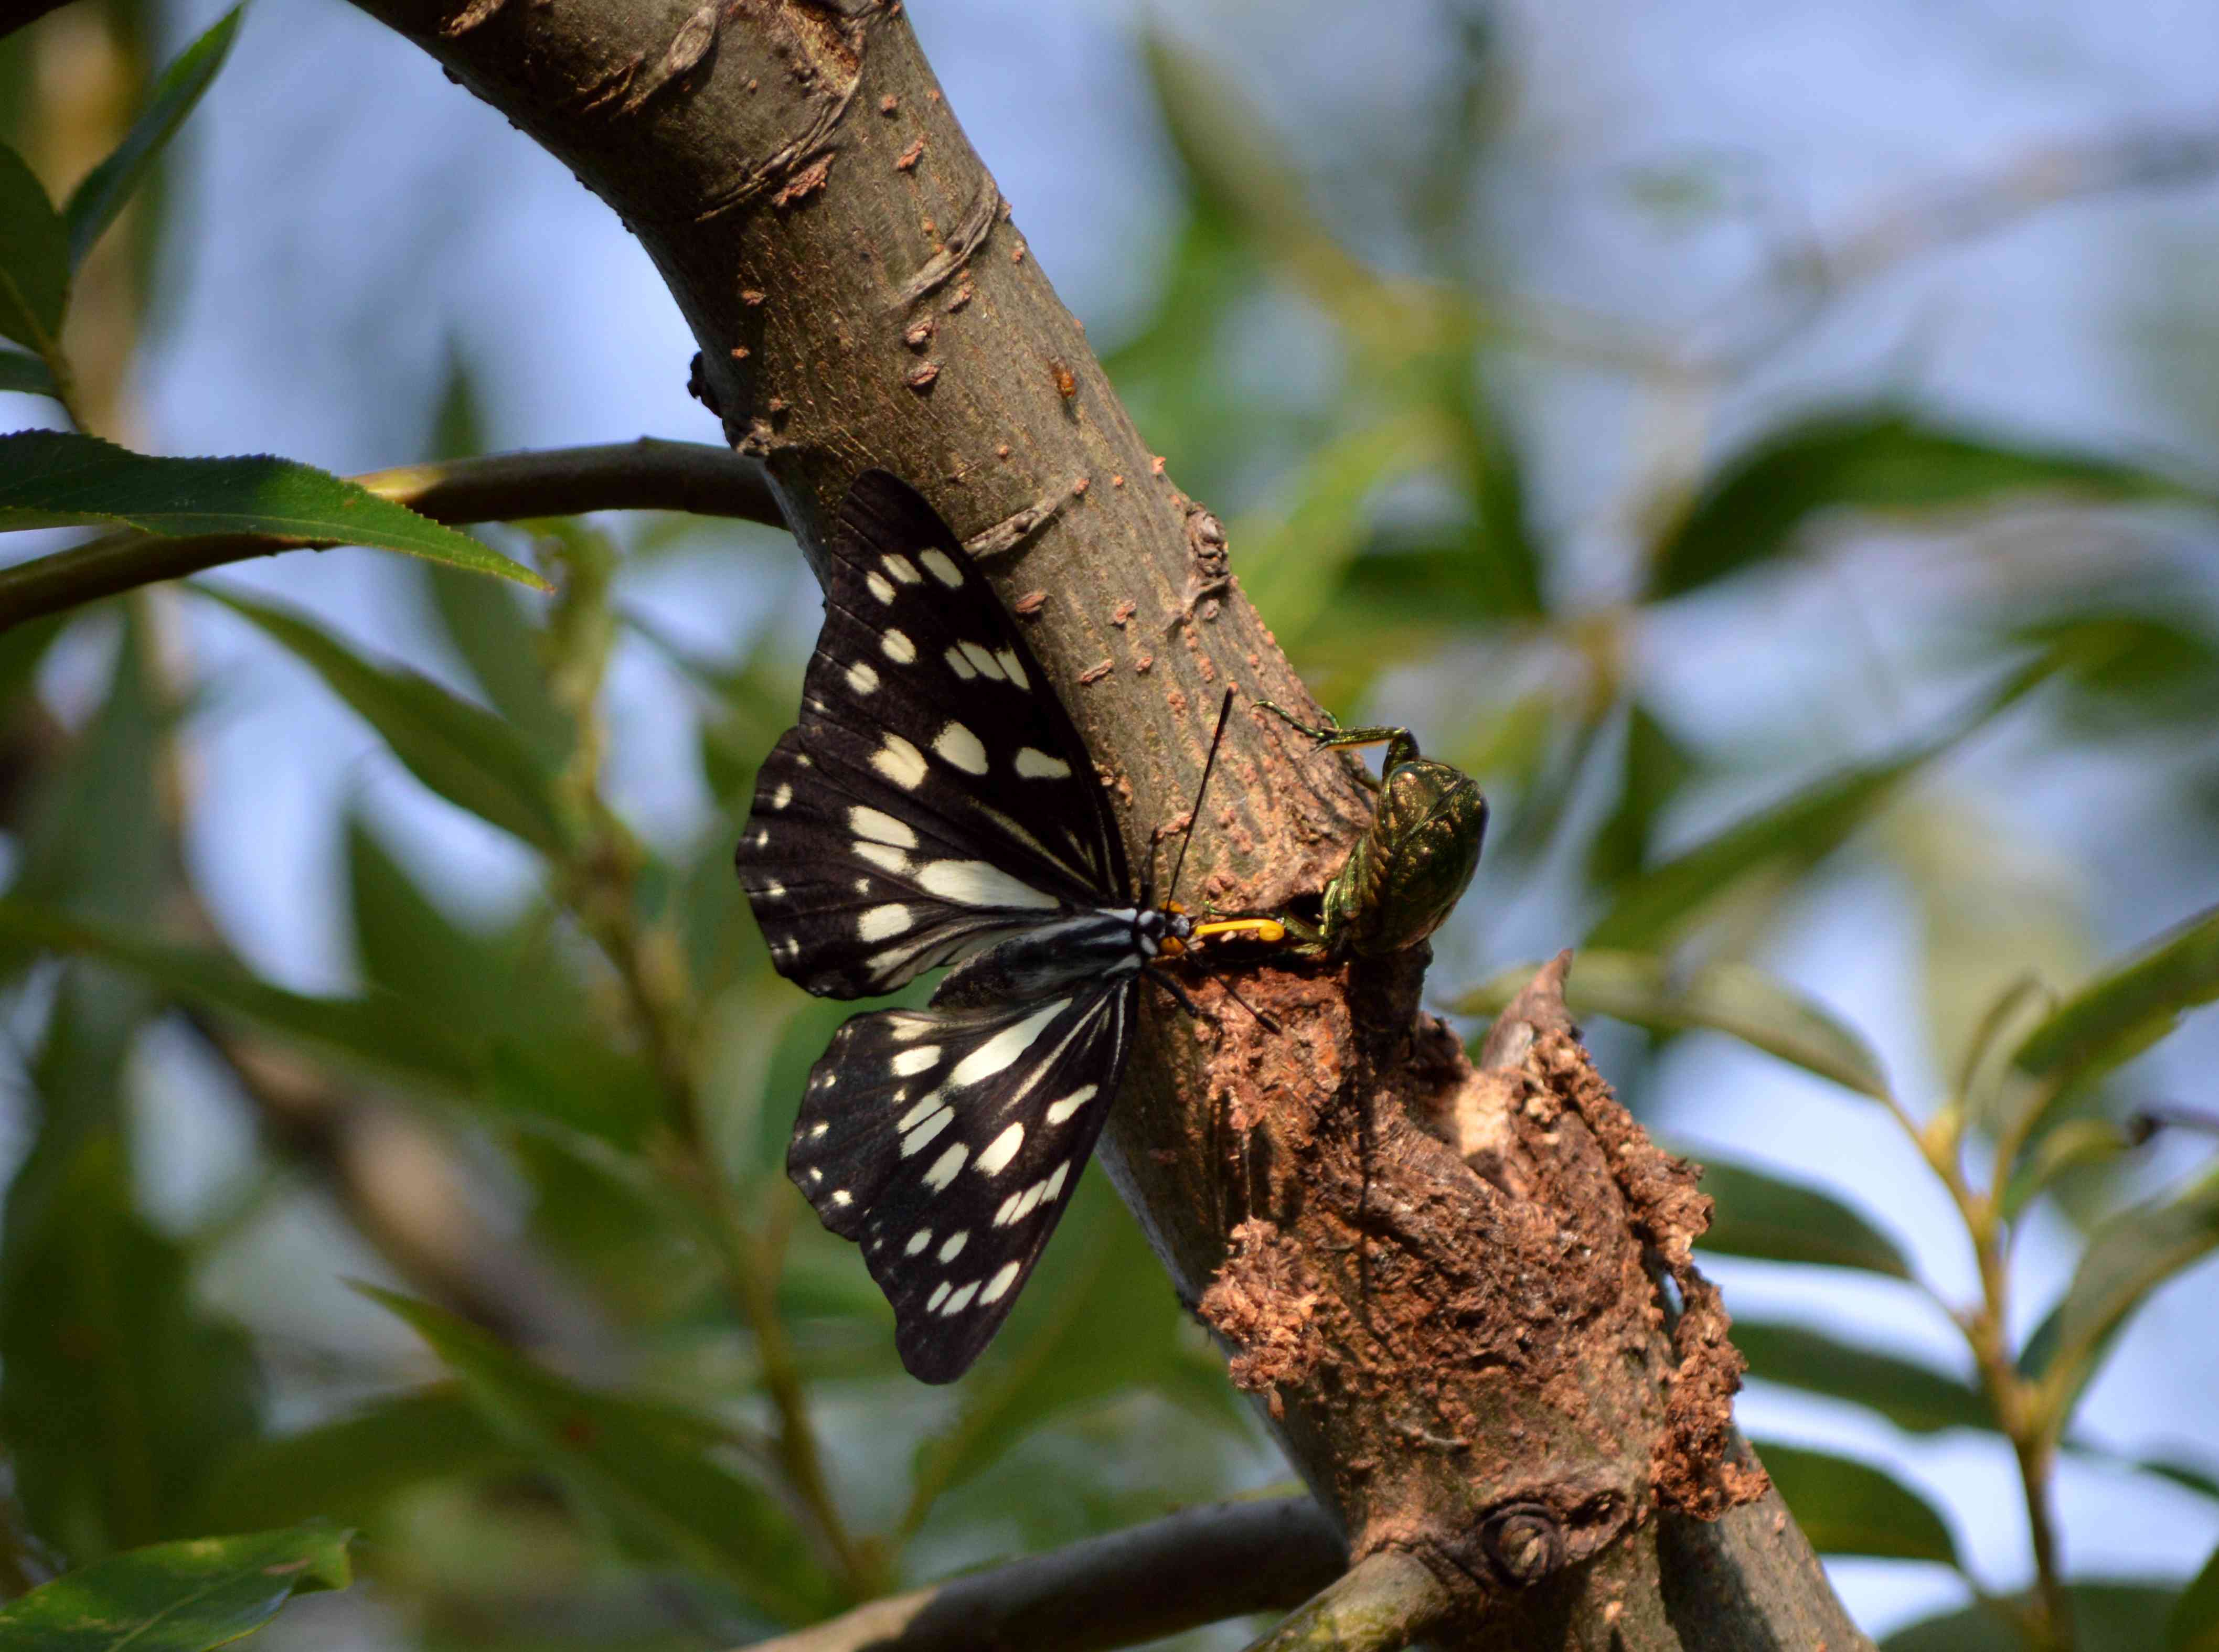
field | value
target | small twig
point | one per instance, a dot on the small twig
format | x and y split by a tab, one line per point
1383	1604
648	474
1197	1567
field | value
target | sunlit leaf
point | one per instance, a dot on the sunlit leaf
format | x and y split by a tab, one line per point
117	1393
1730	998
2129	1257
506	652
649	1471
351	1467
2106	1617
1847	1507
25	374
94	203
1773	1219
1752	509
1795	835
2126	1009
1911	1396
56	479
35	263
2194	1624
463	752
189	1596
2075	1145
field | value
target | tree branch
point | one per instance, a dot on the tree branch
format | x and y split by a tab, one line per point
1197	1567
647	474
1385	1603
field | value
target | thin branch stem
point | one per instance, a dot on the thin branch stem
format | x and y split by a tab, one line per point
648	474
1199	1566
1383	1604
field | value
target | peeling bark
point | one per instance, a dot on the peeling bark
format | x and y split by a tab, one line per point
1442	1282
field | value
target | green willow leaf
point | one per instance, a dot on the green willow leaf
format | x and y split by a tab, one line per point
1847	1507
177	1597
462	751
2194	1624
2129	1257
648	1472
94	203
57	479
378	1031
1772	1219
1913	1396
1793	835
34	264
353	1466
2106	1617
25	375
1870	459
1729	998
2125	1011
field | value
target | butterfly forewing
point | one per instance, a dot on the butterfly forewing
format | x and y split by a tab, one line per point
946	1143
935	797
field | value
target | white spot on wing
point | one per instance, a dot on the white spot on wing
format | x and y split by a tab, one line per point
881	828
945	1167
1055	1180
1059	1112
962	747
917	1241
1005	1047
910	1063
998	1286
956	1241
885	856
881	587
1038	766
882	922
861	678
842	1197
1000	1151
897	647
962	667
1007	1212
943	570
782	797
917	1140
902	569
982	661
962	1299
939	1296
975	883
1016	671
900	762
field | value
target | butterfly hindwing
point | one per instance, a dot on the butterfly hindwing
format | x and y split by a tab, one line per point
934	797
946	1142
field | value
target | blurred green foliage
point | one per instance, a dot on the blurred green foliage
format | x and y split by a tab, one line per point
649	1402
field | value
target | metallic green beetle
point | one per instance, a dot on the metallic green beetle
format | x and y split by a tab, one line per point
1413	862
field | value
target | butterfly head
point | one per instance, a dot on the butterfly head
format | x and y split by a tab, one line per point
1162	930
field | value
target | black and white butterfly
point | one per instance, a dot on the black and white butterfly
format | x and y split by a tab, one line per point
935	806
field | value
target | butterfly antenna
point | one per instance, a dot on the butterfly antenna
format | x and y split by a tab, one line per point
1193	817
1262	1020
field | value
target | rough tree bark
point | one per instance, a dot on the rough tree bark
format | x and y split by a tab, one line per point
1462	1295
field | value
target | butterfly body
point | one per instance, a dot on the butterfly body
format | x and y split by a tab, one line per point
935	807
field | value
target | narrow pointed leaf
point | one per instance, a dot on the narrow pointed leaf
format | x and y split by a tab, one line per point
1793	836
57	479
1772	1219
1847	1507
2106	1617
461	751
378	1031
25	375
94	203
1911	1396
2126	1009
177	1596
35	266
1871	459
1729	998
2194	1624
649	1471
2129	1257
